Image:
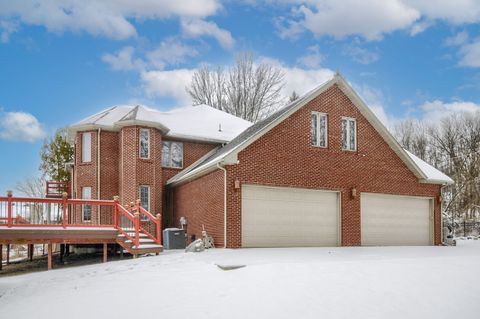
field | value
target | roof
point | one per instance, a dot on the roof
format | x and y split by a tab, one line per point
201	122
227	155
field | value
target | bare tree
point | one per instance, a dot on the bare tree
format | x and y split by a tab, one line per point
247	90
33	187
453	146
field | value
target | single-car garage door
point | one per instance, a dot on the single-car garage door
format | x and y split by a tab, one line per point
389	220
289	217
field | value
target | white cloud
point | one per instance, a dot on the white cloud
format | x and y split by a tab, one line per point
123	60
20	126
359	54
470	54
434	111
457	39
312	59
372	19
302	80
369	18
7	28
110	18
170	52
195	28
170	83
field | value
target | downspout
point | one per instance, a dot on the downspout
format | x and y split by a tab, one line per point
98	171
224	204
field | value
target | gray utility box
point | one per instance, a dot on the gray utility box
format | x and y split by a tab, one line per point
174	238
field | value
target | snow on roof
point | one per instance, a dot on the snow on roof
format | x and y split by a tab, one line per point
200	122
421	169
433	174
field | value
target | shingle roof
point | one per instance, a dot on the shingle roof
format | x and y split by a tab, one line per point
423	170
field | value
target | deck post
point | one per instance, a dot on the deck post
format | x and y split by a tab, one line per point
8	254
9	209
159	232
62	252
1	256
49	258
115	211
30	252
64	216
105	252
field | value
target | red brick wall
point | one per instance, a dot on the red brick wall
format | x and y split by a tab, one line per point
109	174
85	175
201	201
284	157
192	151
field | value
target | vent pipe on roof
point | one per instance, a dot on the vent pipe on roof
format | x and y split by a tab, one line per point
219	127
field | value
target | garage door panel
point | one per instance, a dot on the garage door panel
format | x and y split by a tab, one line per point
395	220
281	217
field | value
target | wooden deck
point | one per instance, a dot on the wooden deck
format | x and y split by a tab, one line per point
57	235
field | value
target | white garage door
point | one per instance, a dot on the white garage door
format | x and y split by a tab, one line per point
288	217
389	220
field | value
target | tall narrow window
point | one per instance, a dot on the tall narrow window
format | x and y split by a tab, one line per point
87	209
145	199
144	143
349	134
172	154
86	147
319	129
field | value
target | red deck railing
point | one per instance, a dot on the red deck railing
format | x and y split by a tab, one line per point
130	220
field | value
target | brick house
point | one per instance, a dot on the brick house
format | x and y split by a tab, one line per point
322	171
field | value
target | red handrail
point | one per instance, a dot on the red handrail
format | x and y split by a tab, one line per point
156	220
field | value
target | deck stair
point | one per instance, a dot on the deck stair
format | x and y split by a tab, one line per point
135	232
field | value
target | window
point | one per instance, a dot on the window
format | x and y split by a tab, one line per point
87	209
145	199
349	134
319	129
144	143
86	147
172	154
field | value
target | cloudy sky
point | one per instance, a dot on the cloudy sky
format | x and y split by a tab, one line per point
62	60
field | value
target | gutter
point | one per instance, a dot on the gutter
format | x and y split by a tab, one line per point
224	204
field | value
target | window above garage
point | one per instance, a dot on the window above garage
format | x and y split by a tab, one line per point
349	134
319	129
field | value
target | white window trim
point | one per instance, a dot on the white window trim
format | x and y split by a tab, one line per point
170	155
149	199
317	142
140	143
84	149
348	134
83	206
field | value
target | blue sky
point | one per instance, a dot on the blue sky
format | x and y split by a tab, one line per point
61	61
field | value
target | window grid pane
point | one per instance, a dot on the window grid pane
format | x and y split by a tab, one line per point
352	135
144	143
165	154
86	147
313	129
344	134
323	131
177	155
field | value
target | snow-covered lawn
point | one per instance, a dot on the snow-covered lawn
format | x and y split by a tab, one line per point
359	282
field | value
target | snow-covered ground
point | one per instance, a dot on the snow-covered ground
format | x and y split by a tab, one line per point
359	282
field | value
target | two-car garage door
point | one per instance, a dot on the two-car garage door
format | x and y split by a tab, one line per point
289	217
